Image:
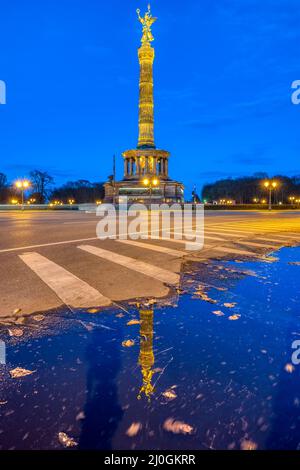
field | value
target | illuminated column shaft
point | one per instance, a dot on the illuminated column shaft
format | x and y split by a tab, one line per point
146	105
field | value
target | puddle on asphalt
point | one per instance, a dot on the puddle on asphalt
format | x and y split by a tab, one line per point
211	370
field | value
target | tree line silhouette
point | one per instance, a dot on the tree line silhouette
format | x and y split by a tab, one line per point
42	190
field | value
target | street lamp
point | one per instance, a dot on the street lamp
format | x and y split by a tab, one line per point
292	199
270	185
150	183
22	185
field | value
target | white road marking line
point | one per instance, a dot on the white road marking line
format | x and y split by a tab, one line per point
207	237
241	241
258	244
227	234
148	246
274	240
160	274
215	247
231	230
81	222
248	232
285	235
288	235
30	247
69	288
224	249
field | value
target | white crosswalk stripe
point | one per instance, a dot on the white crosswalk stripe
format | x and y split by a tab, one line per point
255	244
70	289
147	269
227	234
150	246
234	251
216	248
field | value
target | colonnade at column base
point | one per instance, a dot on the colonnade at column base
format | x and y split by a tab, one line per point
146	162
167	191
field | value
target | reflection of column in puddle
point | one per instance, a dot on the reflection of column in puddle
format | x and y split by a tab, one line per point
146	357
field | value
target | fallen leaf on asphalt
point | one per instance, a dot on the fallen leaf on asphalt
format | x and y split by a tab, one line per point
177	427
134	429
248	445
133	322
234	317
128	343
17	310
19	321
289	368
19	372
135	304
93	310
39	317
15	332
169	394
230	304
180	291
205	297
150	302
218	313
66	441
80	416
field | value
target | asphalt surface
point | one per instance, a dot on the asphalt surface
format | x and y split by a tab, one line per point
48	259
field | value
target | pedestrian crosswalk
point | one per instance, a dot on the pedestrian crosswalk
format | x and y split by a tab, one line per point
232	240
152	247
70	289
141	267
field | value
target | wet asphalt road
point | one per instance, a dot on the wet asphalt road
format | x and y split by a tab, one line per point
55	238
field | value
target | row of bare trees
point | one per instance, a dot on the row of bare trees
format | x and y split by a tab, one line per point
245	190
42	190
40	187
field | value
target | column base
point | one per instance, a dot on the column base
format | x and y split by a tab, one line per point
168	191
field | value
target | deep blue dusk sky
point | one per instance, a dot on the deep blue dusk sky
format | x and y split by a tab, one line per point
223	74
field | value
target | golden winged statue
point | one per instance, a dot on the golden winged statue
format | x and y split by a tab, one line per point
147	22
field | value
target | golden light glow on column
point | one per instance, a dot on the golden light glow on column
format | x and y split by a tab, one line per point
146	102
150	183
